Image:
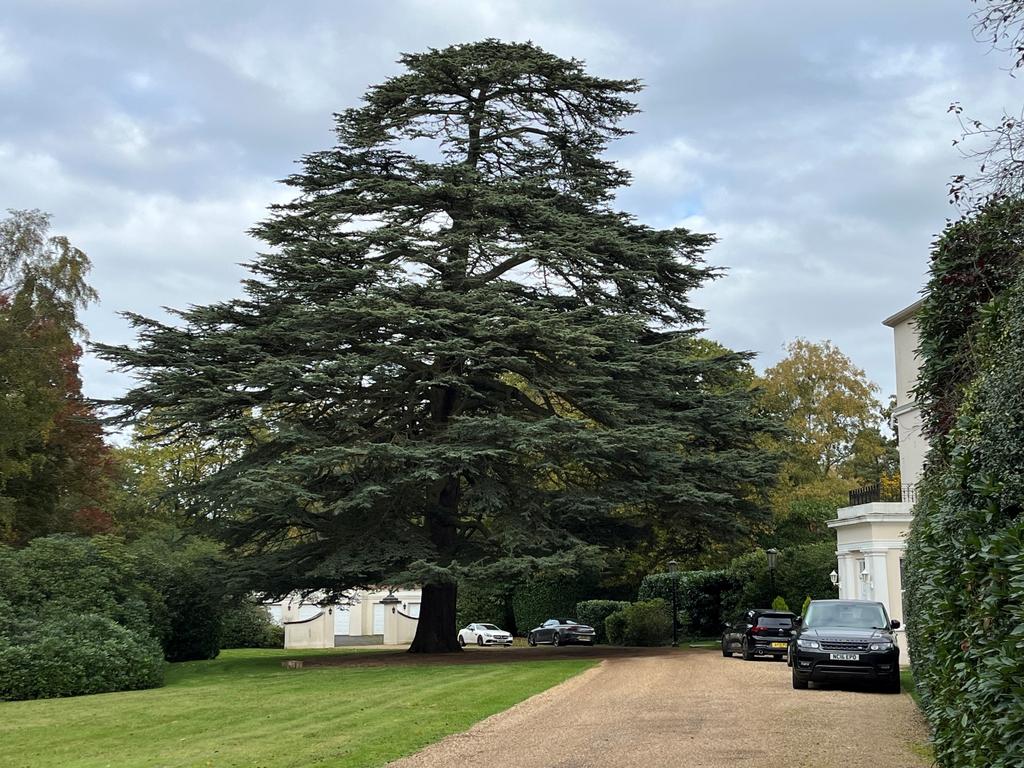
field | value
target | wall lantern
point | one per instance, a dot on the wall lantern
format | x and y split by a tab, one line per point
834	577
865	575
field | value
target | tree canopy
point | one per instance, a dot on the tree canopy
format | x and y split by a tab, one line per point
456	358
53	461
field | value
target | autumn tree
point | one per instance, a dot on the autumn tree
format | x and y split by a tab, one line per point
456	358
53	461
834	438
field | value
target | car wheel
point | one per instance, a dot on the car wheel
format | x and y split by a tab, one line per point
892	684
748	655
799	681
480	641
530	641
554	640
725	652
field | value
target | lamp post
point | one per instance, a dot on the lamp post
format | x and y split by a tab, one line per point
773	554
672	566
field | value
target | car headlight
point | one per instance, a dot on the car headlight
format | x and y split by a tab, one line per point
807	643
886	646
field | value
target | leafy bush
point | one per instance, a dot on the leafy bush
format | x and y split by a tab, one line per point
699	598
64	574
965	555
188	576
540	599
799	572
806	605
648	622
594	613
248	625
615	627
73	655
779	604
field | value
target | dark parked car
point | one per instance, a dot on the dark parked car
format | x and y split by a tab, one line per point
759	632
846	639
561	632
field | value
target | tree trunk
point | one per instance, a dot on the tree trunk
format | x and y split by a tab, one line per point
436	631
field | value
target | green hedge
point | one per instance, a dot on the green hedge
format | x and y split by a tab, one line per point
647	622
75	654
965	556
481	604
540	599
699	598
594	612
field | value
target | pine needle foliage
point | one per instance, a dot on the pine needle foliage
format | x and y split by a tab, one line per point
456	358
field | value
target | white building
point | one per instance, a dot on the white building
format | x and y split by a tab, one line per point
871	532
380	617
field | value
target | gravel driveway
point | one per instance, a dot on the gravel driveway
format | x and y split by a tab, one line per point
692	709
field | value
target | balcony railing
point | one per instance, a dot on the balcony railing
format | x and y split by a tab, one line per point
867	494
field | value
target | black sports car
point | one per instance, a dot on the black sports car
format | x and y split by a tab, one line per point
561	632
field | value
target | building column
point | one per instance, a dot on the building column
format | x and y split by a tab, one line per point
878	580
847	575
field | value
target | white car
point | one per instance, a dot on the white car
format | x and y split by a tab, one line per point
484	634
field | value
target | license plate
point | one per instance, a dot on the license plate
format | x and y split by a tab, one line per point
844	656
779	645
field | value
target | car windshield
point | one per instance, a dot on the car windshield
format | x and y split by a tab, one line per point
489	627
565	621
865	616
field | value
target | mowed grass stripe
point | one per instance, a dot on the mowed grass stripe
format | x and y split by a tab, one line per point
245	710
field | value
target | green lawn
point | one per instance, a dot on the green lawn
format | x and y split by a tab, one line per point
243	709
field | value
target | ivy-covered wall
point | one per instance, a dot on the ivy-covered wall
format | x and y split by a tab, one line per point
965	590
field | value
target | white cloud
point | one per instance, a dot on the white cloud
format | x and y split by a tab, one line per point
672	165
884	62
308	69
123	134
148	250
13	66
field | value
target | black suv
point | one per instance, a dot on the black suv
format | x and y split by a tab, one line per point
759	632
846	639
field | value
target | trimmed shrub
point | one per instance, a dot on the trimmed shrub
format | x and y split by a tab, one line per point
699	598
75	655
807	604
643	623
594	613
615	627
779	604
248	625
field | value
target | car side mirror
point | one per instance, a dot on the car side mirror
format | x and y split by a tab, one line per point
895	624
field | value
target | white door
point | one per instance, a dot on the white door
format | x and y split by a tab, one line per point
341	620
378	618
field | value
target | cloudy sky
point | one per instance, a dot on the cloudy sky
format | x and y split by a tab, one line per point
812	137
